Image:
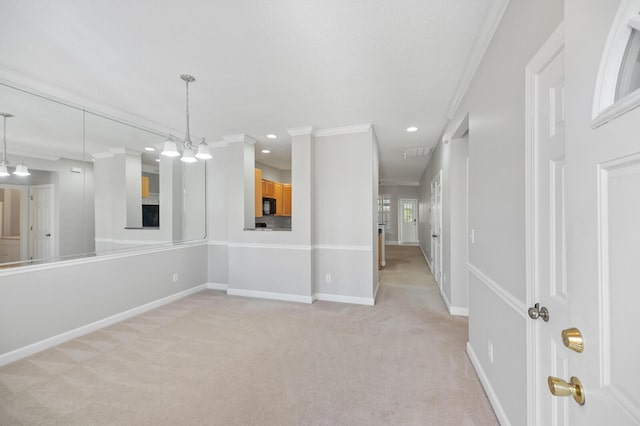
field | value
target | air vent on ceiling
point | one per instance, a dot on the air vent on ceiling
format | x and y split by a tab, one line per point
417	152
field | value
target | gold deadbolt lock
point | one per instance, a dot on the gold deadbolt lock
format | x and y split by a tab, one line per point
572	339
559	387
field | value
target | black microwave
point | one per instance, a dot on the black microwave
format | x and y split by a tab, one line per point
268	206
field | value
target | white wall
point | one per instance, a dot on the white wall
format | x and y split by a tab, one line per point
398	192
334	180
276	175
49	301
495	104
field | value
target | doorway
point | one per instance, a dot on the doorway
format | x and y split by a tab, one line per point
408	214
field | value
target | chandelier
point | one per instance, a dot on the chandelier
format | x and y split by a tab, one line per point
21	169
190	152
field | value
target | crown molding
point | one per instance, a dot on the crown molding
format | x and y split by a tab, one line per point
302	131
20	81
240	137
344	130
490	22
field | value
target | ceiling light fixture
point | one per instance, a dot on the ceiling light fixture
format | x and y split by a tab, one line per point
21	169
265	151
188	148
271	136
412	129
148	148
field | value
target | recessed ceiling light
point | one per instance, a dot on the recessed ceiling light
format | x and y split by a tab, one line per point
158	160
93	159
271	136
148	148
412	129
265	151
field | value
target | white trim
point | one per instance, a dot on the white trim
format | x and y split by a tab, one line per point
368	301
40	88
605	108
392	243
503	294
50	342
217	243
136	242
427	259
269	295
269	246
217	286
240	137
302	131
99	258
218	144
486	384
624	105
545	55
344	130
453	310
341	247
490	22
375	293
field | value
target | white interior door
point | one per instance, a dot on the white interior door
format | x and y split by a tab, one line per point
408	220
547	238
436	227
42	239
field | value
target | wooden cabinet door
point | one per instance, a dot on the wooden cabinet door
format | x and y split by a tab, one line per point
145	186
258	191
286	199
267	188
277	194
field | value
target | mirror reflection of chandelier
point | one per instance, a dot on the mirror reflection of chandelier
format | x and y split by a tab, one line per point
190	152
21	169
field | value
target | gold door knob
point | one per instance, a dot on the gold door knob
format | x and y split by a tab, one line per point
572	339
559	387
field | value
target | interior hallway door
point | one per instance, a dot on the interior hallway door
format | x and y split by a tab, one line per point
408	220
436	228
42	236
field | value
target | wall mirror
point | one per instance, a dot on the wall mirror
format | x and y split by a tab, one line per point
95	185
273	185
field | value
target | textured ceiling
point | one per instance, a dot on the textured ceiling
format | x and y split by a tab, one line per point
261	67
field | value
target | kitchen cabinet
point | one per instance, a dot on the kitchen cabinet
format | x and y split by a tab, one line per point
258	192
268	189
145	186
277	194
286	199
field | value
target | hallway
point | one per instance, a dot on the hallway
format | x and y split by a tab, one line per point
215	359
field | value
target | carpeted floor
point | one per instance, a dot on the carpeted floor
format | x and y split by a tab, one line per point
212	359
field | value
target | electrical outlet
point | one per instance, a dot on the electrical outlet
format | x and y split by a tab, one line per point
175	277
490	350
327	278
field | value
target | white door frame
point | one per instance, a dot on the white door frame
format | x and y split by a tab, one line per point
401	220
550	49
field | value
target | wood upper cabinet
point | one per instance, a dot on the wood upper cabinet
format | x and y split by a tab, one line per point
286	199
145	186
258	191
268	189
277	194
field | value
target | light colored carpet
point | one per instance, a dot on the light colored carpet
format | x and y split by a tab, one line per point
212	359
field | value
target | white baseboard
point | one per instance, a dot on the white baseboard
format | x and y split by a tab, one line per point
390	243
493	398
217	286
427	259
458	311
269	295
50	342
453	310
368	301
